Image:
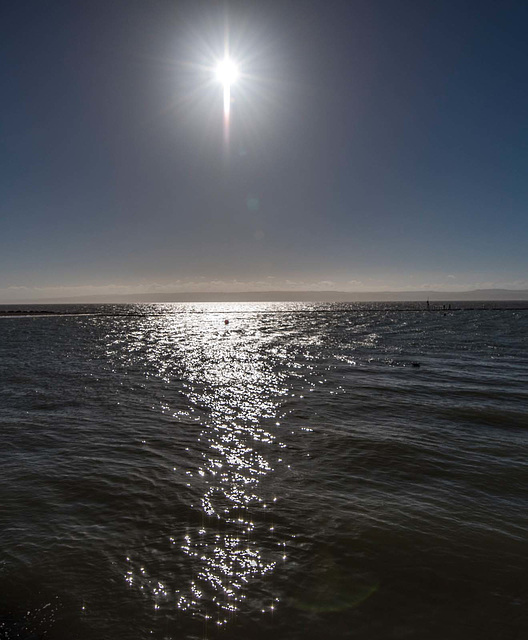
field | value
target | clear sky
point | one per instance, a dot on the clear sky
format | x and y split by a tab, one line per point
374	144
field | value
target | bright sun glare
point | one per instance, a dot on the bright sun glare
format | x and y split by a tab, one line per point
227	72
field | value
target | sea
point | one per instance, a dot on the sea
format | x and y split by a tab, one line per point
270	470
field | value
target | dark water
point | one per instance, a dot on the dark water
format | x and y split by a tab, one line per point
290	474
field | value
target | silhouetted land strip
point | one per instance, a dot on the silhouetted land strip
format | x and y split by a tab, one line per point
475	295
45	312
8	313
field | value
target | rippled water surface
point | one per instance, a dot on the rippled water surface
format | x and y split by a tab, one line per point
264	470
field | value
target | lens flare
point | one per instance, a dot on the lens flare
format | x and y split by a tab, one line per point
227	73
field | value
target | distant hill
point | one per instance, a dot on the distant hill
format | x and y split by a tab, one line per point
306	296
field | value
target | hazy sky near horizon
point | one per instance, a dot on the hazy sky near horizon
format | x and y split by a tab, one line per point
374	144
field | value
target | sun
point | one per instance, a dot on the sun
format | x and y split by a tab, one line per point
226	72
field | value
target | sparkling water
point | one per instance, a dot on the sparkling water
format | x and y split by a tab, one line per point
264	470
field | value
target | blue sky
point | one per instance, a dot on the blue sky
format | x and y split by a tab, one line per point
374	145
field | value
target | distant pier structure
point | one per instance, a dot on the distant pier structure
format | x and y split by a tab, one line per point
445	307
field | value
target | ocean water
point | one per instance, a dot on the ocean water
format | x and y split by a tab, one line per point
264	470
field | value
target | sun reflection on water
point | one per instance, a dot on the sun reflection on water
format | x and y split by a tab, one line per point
225	376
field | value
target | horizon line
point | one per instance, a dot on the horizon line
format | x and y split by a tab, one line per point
282	295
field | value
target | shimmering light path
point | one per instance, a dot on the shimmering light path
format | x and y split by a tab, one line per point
229	381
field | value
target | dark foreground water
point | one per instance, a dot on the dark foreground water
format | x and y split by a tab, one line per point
288	475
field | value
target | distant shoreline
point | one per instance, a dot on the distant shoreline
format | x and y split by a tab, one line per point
476	295
129	310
